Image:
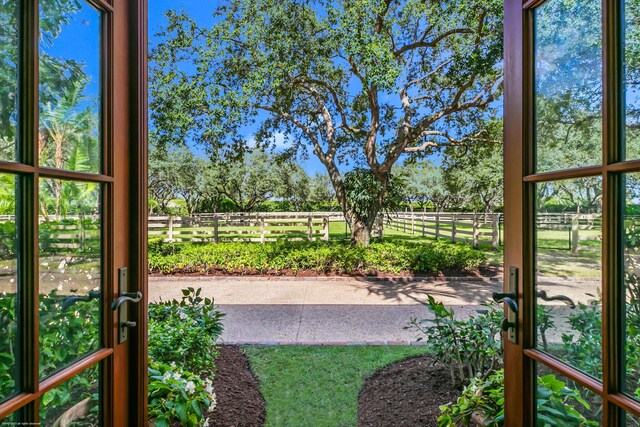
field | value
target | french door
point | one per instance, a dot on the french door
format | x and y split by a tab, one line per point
572	212
72	212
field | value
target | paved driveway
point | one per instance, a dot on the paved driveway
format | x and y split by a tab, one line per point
324	311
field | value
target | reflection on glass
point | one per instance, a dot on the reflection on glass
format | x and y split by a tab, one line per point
70	286
8	79
74	402
69	89
568	88
8	287
562	402
568	245
632	285
632	79
631	420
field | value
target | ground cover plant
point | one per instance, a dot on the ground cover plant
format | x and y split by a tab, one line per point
182	355
392	256
318	385
182	351
473	349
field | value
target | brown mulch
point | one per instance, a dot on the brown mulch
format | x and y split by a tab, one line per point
406	393
240	403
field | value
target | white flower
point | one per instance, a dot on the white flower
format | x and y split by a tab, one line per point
206	423
177	376
214	402
166	376
173	364
183	316
190	387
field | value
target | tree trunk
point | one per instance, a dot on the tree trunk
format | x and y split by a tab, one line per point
360	233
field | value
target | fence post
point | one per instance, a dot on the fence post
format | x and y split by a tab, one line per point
575	234
423	220
495	231
262	229
413	221
310	228
437	225
453	228
475	230
325	228
170	232
381	225
404	221
216	238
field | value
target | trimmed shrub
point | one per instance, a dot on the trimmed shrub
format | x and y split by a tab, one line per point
321	257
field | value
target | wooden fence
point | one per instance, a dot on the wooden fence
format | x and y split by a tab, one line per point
555	231
243	227
473	228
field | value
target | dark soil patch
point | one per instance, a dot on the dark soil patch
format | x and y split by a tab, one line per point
406	393
240	403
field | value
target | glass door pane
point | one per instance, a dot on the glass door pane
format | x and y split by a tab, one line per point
568	260
9	334
70	272
631	350
8	79
70	86
568	84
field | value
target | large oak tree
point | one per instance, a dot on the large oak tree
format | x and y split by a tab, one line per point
353	82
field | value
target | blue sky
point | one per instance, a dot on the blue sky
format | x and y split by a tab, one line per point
201	11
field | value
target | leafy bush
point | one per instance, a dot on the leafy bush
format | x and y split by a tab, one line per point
185	331
178	395
470	348
556	403
322	257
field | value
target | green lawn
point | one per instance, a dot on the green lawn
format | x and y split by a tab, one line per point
316	385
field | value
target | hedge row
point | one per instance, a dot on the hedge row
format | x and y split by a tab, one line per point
321	257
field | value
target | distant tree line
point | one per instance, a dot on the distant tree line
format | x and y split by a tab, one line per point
182	182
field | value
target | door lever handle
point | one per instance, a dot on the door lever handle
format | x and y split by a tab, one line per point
507	298
126	297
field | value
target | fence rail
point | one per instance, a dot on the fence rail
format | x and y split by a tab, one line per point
473	228
243	227
556	230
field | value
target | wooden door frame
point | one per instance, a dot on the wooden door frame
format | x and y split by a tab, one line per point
139	202
127	71
519	177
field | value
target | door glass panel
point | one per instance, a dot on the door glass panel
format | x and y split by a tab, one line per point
568	256
8	79
70	271
70	103
631	420
562	402
631	276
8	288
74	402
568	84
632	79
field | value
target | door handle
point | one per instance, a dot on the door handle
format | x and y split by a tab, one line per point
510	323
126	297
507	298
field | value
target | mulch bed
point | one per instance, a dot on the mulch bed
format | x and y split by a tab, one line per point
239	400
406	393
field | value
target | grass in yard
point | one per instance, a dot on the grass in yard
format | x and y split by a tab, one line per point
318	385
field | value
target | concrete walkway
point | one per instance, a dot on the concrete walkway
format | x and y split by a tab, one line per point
324	311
